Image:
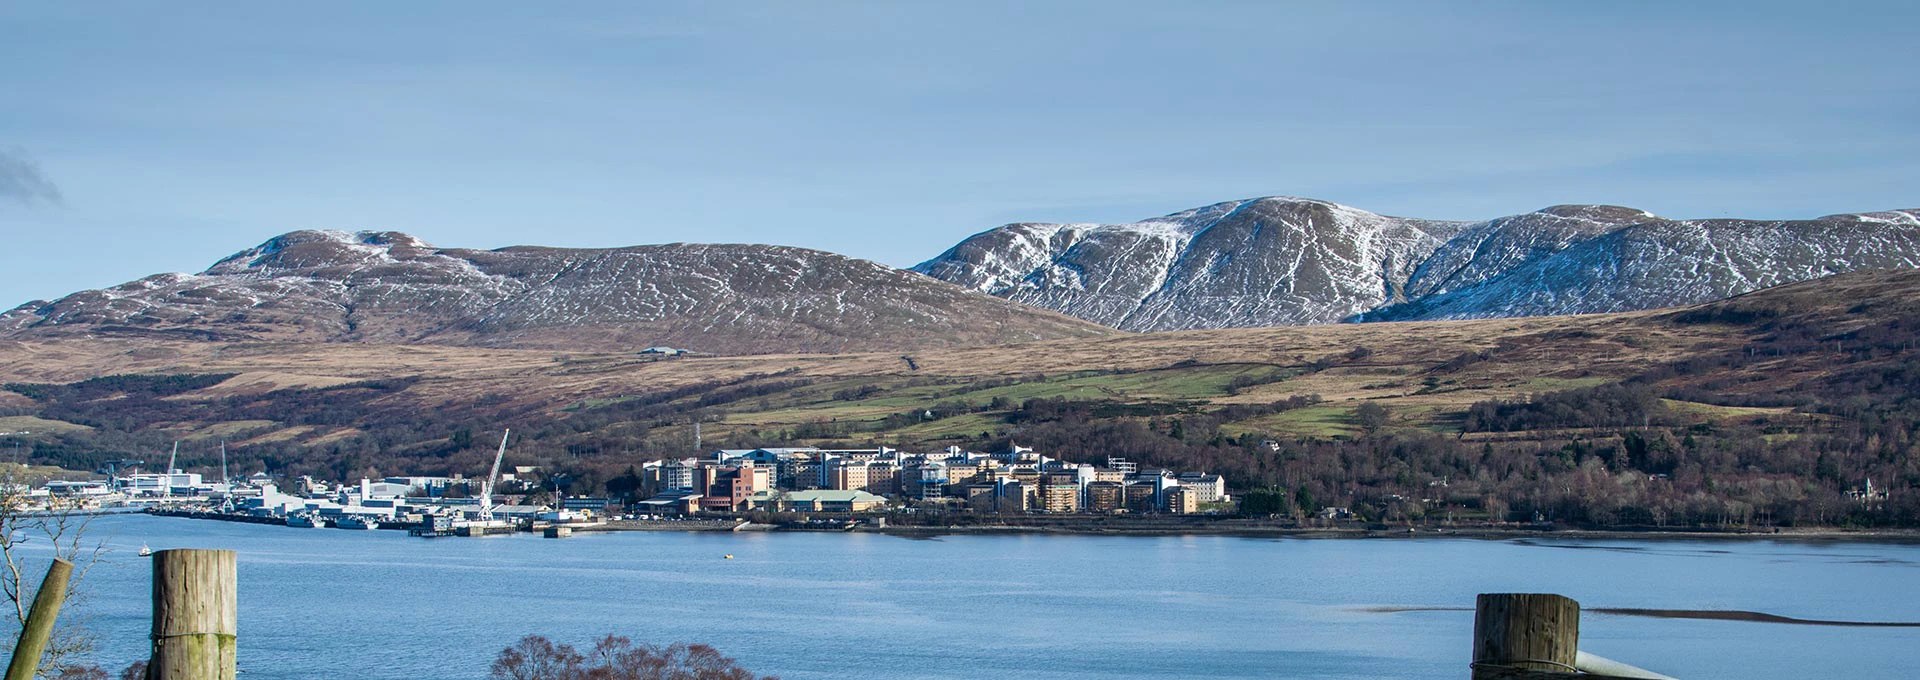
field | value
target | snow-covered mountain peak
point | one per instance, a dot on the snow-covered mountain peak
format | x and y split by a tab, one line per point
1909	216
1604	214
1283	260
311	249
1135	275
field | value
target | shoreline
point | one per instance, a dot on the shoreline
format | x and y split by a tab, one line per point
1482	533
1218	527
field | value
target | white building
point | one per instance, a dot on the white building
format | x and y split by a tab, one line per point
157	484
1212	488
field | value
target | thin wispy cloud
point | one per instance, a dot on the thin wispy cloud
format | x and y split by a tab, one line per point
22	181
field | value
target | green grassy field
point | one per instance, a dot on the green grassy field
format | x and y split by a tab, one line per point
34	424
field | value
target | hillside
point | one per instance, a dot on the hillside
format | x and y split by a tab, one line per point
1289	261
387	287
1765	407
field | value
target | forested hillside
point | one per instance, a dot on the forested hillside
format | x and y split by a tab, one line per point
1763	409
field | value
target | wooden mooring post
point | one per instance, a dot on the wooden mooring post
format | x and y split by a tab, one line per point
1524	632
39	625
1536	636
195	614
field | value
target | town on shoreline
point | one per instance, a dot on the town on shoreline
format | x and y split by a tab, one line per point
809	489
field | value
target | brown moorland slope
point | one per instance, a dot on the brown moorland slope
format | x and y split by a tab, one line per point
1794	393
1432	365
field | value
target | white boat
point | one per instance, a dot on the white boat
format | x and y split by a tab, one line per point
145	551
356	522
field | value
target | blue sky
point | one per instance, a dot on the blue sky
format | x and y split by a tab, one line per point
138	138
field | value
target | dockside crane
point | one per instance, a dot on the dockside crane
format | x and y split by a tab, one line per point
166	490
486	488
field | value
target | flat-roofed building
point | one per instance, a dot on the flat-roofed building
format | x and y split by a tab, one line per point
818	500
1106	496
668	475
1061	498
431	486
1016	496
847	474
804	472
983	497
1142	497
883	479
728	485
66	488
162	484
1211	488
670	502
1183	500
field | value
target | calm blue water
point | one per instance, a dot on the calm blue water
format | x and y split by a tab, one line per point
326	603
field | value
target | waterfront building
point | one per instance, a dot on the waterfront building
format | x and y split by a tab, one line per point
844	474
665	475
725	487
983	497
1142	497
161	484
592	503
1211	488
1106	496
1016	496
429	486
525	513
77	489
670	502
1060	497
1016	480
266	500
369	490
817	500
804	471
1182	500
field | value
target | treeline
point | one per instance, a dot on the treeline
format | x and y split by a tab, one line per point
111	385
1618	405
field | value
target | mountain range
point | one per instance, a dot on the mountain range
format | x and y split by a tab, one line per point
389	287
1291	261
1273	261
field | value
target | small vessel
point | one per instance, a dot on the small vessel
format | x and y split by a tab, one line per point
356	522
305	520
729	557
145	551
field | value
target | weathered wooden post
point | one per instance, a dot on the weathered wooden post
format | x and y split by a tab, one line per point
1518	633
39	626
195	613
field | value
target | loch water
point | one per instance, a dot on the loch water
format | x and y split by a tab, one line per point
378	605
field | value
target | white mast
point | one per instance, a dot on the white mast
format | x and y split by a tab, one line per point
486	489
223	467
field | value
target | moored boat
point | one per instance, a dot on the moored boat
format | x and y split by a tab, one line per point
305	520
356	522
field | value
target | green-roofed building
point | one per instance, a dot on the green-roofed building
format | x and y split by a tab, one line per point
816	500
